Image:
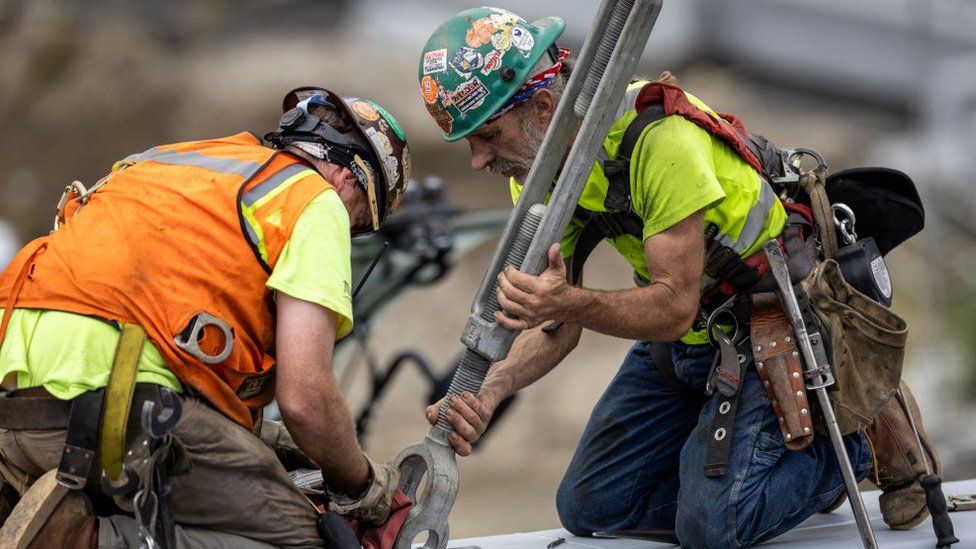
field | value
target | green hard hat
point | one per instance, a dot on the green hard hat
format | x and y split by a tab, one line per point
475	61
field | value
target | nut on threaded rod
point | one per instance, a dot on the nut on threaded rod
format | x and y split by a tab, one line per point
473	367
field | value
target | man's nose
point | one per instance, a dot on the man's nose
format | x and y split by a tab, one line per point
481	154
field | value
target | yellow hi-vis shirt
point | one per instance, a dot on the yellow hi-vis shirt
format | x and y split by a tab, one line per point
677	169
69	354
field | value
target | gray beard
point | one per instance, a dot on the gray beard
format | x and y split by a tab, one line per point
520	169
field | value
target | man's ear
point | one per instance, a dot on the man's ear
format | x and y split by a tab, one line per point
544	105
344	178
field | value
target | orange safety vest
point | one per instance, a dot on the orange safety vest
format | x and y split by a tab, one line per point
179	230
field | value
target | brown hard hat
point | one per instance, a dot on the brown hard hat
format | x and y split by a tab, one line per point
380	131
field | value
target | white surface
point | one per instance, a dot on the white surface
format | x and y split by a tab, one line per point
836	531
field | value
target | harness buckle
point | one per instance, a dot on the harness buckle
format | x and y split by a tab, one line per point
791	159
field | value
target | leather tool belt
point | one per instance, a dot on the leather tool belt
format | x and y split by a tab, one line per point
80	416
780	369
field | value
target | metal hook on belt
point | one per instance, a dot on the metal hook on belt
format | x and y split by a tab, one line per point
157	425
189	340
127	482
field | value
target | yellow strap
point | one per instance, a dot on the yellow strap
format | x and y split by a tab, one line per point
118	399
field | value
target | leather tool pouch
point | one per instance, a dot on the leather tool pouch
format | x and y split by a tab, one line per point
780	370
867	343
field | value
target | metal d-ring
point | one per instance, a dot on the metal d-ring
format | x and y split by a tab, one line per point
191	342
713	318
795	155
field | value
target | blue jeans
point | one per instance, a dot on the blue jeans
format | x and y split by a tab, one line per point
640	463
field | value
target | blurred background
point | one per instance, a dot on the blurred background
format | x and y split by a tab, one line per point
865	82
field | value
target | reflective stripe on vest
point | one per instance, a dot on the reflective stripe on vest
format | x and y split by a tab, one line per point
264	192
245	169
251	200
755	221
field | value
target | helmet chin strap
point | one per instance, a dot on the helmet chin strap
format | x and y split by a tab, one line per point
365	175
360	168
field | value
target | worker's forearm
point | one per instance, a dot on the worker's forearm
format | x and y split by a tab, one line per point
324	429
532	356
654	313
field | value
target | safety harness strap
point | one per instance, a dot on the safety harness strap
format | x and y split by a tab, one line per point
78	454
121	384
722	260
617	170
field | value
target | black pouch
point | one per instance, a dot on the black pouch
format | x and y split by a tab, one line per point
885	203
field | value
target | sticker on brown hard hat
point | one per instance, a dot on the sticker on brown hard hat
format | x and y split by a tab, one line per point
366	111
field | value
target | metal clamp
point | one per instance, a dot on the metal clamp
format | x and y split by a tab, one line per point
191	342
961	502
791	159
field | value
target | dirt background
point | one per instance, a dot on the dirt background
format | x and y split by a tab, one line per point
85	84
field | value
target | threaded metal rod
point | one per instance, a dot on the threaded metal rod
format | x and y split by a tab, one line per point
621	11
515	257
473	367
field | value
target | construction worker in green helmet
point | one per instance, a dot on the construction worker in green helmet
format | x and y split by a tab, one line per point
647	460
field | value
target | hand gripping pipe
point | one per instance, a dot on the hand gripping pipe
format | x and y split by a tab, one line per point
621	28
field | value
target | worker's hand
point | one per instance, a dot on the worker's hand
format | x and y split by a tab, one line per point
533	299
373	506
469	415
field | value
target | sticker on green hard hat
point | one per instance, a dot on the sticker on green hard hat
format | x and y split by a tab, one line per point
460	78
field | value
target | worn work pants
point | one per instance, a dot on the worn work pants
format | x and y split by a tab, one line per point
237	495
640	463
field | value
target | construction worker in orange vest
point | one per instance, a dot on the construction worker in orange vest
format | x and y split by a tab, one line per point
218	270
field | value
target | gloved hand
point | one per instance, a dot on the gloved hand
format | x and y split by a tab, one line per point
276	436
373	507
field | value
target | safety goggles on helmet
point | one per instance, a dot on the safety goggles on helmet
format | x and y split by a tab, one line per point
375	150
308	132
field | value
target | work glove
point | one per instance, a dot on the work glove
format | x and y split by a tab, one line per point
373	507
276	436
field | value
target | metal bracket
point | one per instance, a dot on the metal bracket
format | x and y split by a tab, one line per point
191	343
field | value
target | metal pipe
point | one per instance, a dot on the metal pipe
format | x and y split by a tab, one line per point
486	341
595	126
551	152
608	41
